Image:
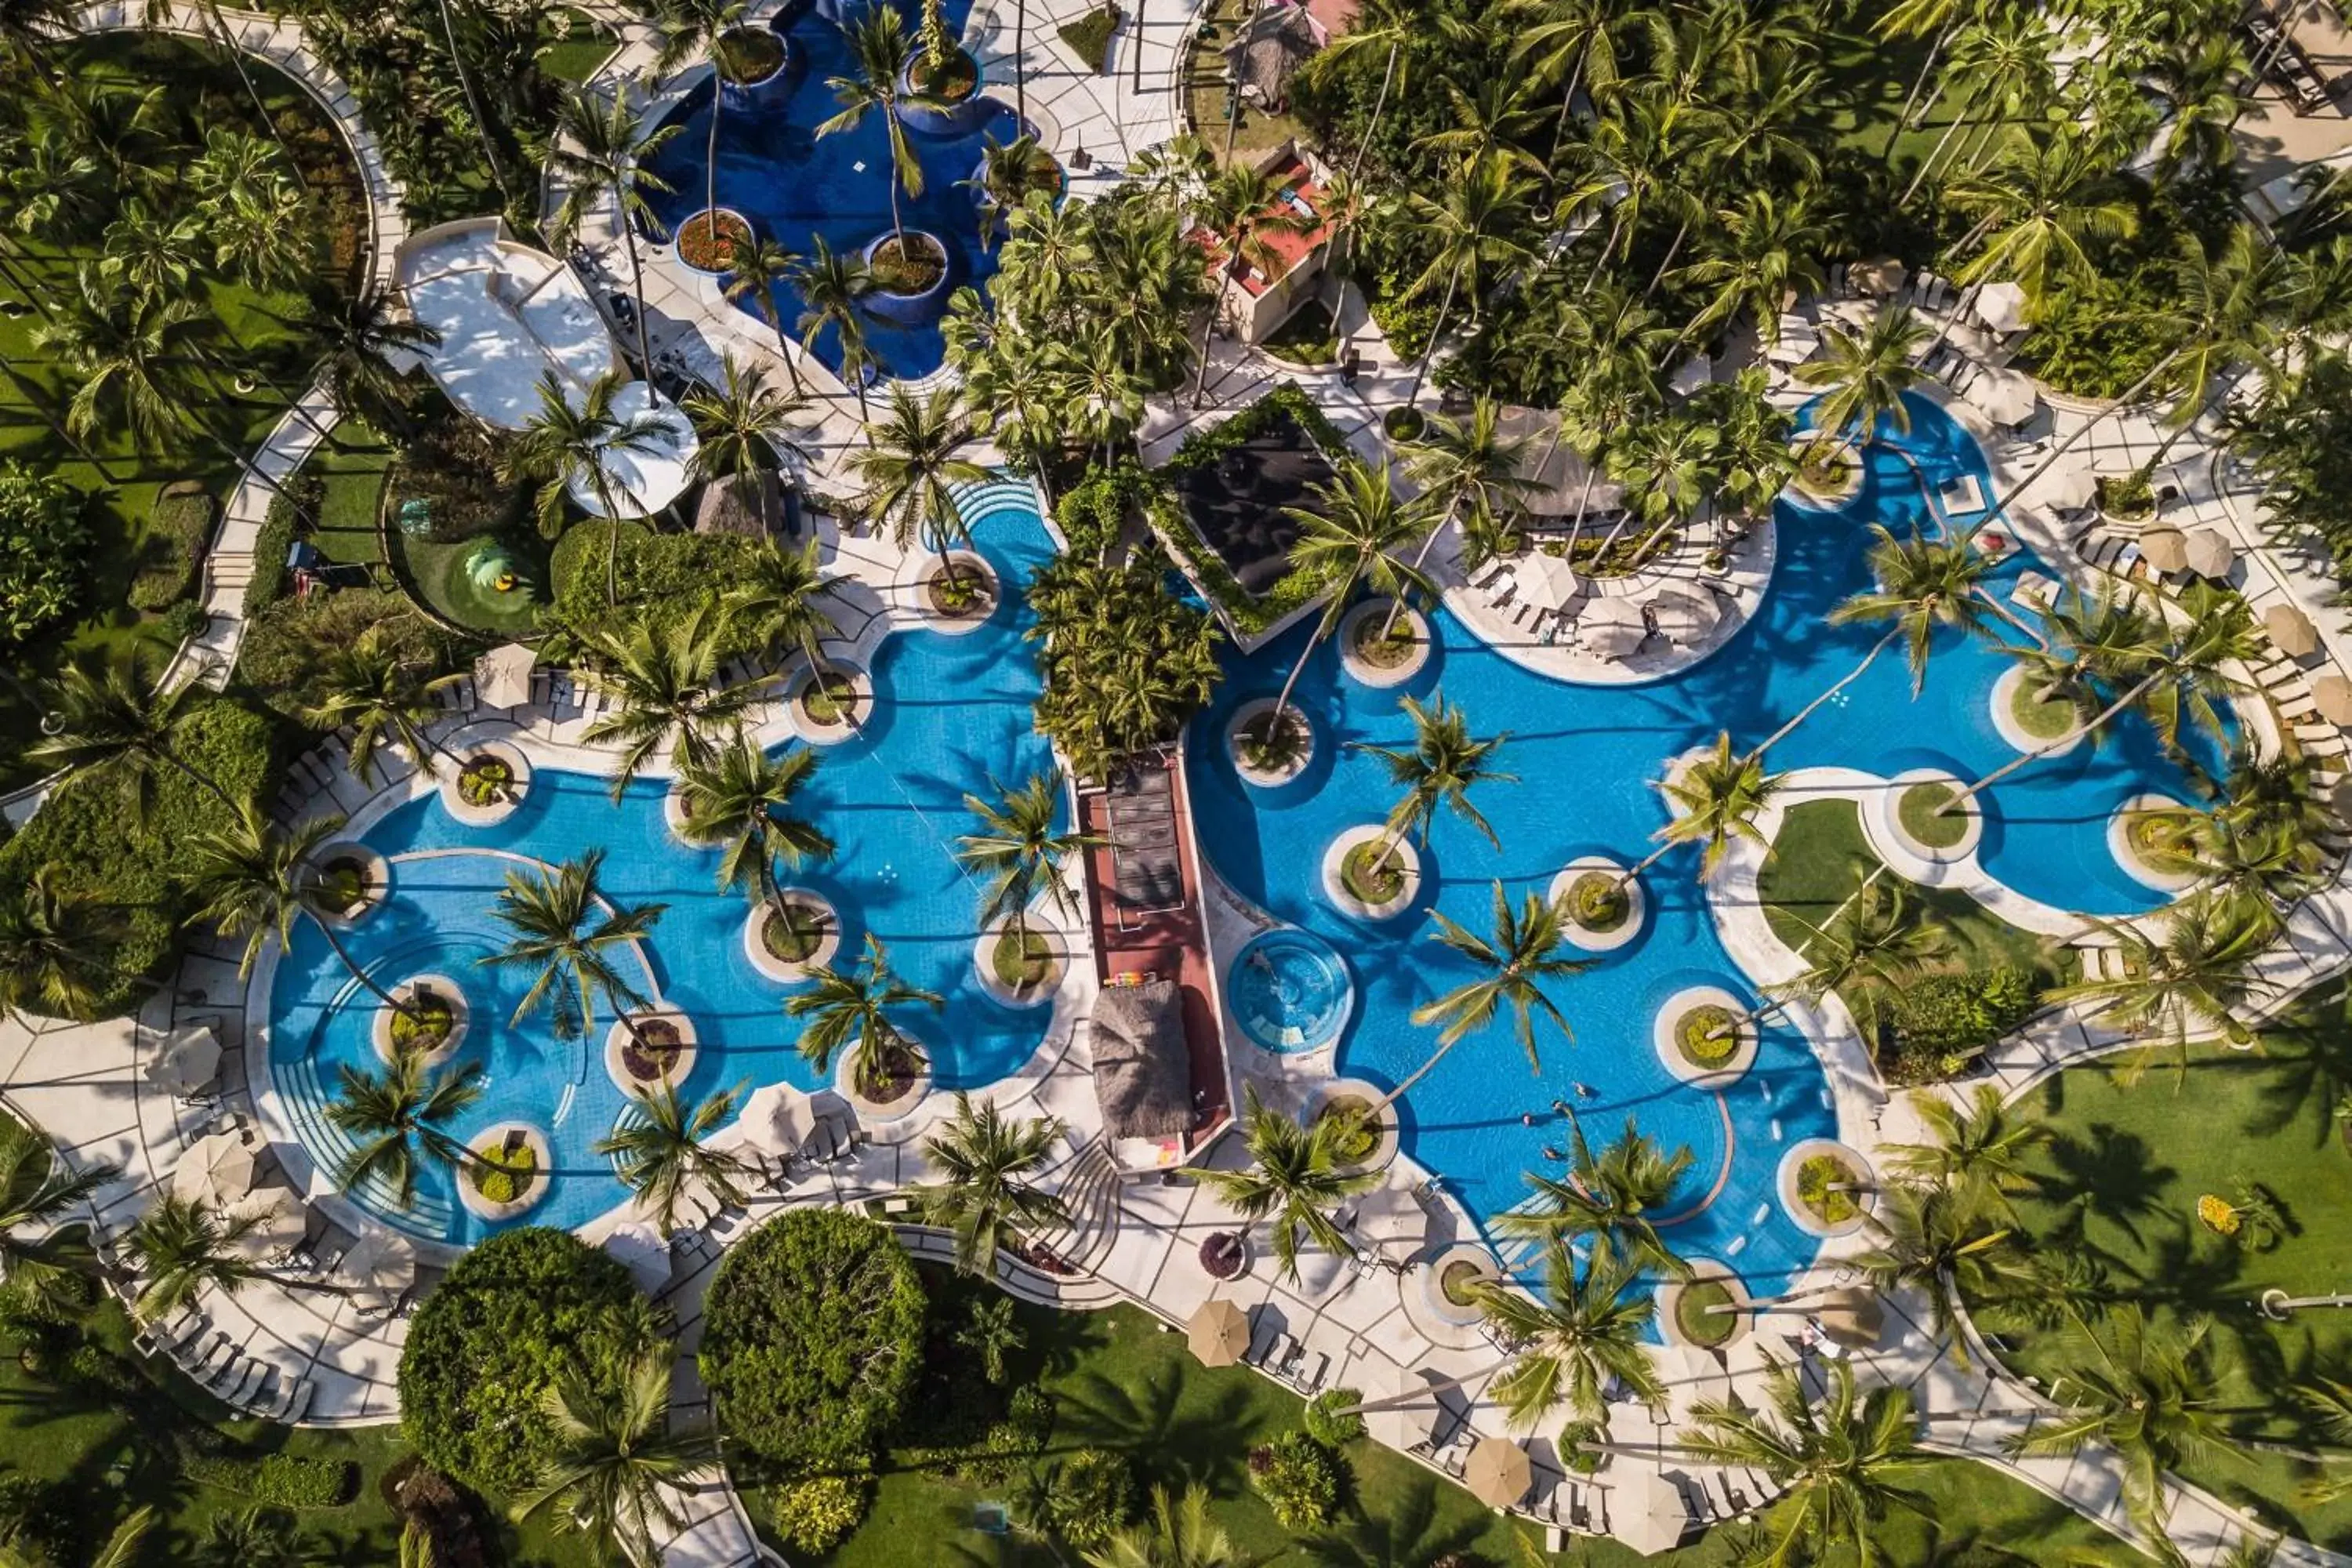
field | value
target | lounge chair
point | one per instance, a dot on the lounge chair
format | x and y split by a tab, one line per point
1309	1381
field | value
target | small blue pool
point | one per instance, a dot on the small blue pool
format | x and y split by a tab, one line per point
1290	992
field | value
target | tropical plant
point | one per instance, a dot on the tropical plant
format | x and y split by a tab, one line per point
135	357
907	466
567	935
879	55
397	1116
1922	585
2192	971
1513	965
1616	1198
1585	1333
359	336
1009	172
254	880
617	1464
741	797
684	30
1243	209
378	690
1718	798
743	427
778	600
1467	232
661	1148
562	445
111	718
1441	769
1974	1144
849	1009
1865	375
985	1196
1180	1532
599	156
40	1194
1349	538
755	265
53	940
1294	1179
1020	854
666	691
830	285
1945	1239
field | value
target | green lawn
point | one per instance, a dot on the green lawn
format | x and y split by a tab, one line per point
352	464
2122	1182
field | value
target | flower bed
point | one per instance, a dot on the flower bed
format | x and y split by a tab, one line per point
1695	1320
2216	1215
1274	741
1089	36
707	241
424	1024
485	780
1823	1184
1367	878
748	55
890	1076
1921	813
914	267
830	700
1598	901
505	1169
1388	652
961	593
1707	1036
343	885
1022	960
652	1053
953	80
1459	1282
1404	423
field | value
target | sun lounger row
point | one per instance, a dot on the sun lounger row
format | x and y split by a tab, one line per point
216	1364
1574	1505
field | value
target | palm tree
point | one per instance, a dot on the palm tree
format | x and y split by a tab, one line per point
754	268
879	54
566	932
1180	1533
53	940
907	464
1941	1239
1350	537
1009	171
743	797
667	690
1020	854
985	1161
1469	231
1870	947
30	30
744	427
1841	1463
562	446
1718	798
1767	249
111	718
616	1463
1523	954
830	285
1615	1198
684	29
599	153
254	880
1462	463
2194	972
133	356
181	1249
398	1115
357	335
378	692
1295	1178
1867	373
1585	1333
1392	23
1922	584
1242	210
661	1148
40	1194
2147	1391
1441	769
850	1009
2037	207
1975	1144
776	600
121	1547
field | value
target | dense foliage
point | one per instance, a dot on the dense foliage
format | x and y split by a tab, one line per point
178	530
2299	439
296	499
486	1346
812	1342
1300	1479
662	579
1938	1021
43	539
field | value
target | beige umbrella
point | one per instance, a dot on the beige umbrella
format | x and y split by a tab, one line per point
1692	1377
2007	396
1414	1411
2209	554
379	1267
1499	1472
2001	306
280	1223
2291	631
214	1171
1218	1333
2070	483
1849	1316
1647	1511
1611	627
2164	548
1879	275
779	1119
2333	696
1547	582
1685	613
187	1060
502	676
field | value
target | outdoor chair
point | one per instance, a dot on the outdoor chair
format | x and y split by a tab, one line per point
1286	1356
1309	1382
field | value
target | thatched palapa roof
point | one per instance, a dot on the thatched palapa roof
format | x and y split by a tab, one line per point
1142	1073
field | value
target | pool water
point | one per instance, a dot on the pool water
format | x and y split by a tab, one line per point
1289	991
795	186
1586	759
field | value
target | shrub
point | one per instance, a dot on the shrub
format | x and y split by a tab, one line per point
295	499
485	1348
1093	1495
1330	1422
1098	628
279	656
812	1339
186	619
1299	1478
44	550
177	531
662	577
1090	35
1019	1437
279	1480
814	1514
1941	1020
34	1513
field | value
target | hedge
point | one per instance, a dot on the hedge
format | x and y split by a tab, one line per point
280	654
1941	1020
178	530
1090	35
662	577
44	550
813	1340
485	1348
279	526
278	1481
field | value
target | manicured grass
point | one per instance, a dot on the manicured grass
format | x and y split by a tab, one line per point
2121	1184
1922	814
352	464
2043	718
1254	131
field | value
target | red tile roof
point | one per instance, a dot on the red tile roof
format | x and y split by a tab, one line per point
1289	249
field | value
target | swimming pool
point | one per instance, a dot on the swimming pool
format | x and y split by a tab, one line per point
1586	758
1289	991
795	186
951	714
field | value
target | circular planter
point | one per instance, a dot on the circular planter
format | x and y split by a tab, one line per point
1408	860
1225	1255
1267	778
1733	1326
619	1043
373	877
1823	498
1481	1264
543	1171
1890	819
1402	423
2148	873
2007	691
844	1083
822	731
508	799
1637	905
785	970
1365	619
983	962
933	580
762	91
1386	1134
961	118
1794	1161
441	985
907	309
685	238
1665	1039
674	818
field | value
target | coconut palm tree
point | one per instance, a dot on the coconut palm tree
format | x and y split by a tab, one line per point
111	719
135	358
744	428
1869	948
1026	394
41	1195
755	267
2037	207
1378	24
1843	1463
398	1115
1441	769
984	1195
255	879
1294	1179
567	935
1922	585
1472	229
1718	798
2194	972
357	336
1764	248
1009	171
378	691
1020	854
1944	1239
562	446
1585	1332
879	53
667	690
742	797
616	1461
1242	209
53	940
830	285
850	1009
1663	467
1975	1146
1181	1532
686	30
777	600
2145	1390
1349	538
30	30
661	1148
1615	1196
1865	375
123	1546
1465	464
599	154
1514	964
908	465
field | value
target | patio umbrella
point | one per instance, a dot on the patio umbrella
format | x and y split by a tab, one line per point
779	1119
2332	694
1850	1317
2070	483
2209	554
502	676
2164	548
1879	275
640	1249
281	1222
1414	1412
1647	1511
187	1060
1692	1377
1499	1472
2007	396
1390	1217
214	1171
2001	306
2291	631
1611	627
1685	612
1547	582
1218	1333
379	1267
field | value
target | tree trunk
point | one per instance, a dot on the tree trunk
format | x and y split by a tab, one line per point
1843	681
2146	684
1371	126
1665	266
1020	74
1392	1096
1396	605
2139	389
638	290
1209	328
710	146
474	106
1927	70
326	930
1436	333
1436	1386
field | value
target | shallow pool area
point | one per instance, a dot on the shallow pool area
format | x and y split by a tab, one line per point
1289	991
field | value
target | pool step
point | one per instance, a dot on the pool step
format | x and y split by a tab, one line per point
306	1097
983	499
